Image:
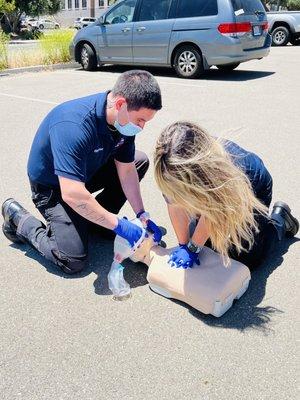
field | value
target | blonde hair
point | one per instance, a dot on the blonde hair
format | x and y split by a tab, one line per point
193	170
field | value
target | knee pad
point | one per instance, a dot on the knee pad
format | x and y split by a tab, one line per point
70	264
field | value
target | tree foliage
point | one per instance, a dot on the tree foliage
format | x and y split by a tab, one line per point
6	6
293	5
38	7
32	8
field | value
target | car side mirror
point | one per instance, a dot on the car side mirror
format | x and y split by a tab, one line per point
101	20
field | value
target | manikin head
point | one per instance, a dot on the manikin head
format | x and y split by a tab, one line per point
143	253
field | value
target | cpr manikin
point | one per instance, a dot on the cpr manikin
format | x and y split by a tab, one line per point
209	288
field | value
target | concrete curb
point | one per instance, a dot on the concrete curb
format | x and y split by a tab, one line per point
38	68
25	42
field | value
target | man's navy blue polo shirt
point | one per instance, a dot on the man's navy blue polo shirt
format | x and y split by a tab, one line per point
74	141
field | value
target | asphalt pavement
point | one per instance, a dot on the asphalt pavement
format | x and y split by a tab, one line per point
65	338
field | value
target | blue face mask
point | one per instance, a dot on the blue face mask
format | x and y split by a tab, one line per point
129	129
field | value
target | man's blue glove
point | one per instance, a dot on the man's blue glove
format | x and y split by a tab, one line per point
144	216
182	257
153	228
128	231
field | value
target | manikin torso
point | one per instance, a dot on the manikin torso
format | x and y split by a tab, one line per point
210	287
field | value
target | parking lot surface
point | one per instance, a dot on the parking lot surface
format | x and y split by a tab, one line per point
64	338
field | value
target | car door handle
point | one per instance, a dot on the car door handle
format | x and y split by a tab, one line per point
141	28
126	29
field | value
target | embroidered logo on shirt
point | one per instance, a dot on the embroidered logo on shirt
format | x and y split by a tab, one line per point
97	150
120	142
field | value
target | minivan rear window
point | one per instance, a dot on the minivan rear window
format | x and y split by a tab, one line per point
248	6
196	8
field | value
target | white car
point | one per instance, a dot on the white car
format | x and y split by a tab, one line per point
28	21
82	22
44	24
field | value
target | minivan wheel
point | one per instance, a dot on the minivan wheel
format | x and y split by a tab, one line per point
188	62
88	58
41	27
280	36
228	67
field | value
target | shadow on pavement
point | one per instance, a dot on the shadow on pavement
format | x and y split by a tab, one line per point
246	312
238	75
48	265
100	259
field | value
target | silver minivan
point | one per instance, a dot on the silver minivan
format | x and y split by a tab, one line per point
188	35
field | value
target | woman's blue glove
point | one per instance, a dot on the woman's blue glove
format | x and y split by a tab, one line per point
182	257
128	231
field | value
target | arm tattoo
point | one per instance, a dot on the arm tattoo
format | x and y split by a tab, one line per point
84	210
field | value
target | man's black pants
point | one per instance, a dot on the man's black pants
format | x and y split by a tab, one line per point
64	240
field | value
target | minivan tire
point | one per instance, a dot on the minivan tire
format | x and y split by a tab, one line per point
88	59
228	67
41	27
188	62
280	36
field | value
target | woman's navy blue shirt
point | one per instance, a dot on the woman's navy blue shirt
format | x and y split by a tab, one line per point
254	168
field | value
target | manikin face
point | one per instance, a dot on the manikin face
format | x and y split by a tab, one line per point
142	253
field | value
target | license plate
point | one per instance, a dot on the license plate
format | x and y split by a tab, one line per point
256	30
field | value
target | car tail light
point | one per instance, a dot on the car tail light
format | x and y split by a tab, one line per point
234	28
265	26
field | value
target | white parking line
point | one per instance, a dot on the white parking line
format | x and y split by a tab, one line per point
28	98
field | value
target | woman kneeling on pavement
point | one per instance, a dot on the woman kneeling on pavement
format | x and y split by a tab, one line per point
218	194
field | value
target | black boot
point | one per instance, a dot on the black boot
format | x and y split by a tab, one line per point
282	217
12	212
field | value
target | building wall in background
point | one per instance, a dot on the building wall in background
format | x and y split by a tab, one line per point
72	9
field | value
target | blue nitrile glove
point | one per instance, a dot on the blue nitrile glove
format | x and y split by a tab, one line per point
153	228
144	216
128	231
182	257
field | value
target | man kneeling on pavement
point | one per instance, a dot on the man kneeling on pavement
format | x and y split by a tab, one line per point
83	146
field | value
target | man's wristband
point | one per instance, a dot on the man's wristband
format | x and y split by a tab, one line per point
140	213
143	214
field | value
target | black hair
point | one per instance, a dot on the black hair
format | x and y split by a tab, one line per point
140	90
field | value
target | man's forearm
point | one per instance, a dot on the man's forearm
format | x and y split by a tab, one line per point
86	206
